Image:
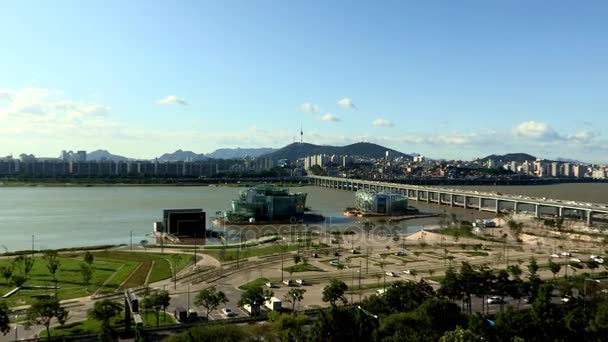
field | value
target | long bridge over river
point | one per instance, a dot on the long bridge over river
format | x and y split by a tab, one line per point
483	201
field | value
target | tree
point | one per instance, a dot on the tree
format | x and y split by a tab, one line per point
86	271
297	258
294	296
143	243
334	292
26	263
7	272
288	327
255	297
4	319
52	264
42	312
554	268
89	258
210	299
533	266
103	311
156	301
18	280
515	271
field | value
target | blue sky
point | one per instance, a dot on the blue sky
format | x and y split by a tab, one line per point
448	79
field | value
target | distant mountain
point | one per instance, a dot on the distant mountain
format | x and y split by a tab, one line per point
237	153
568	160
105	155
509	157
363	149
180	155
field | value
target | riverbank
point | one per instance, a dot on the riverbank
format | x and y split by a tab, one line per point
137	183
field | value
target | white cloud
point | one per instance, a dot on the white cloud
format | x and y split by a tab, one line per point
330	117
347	103
6	94
582	137
308	107
172	100
380	122
536	131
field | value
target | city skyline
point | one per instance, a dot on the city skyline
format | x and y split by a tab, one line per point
454	81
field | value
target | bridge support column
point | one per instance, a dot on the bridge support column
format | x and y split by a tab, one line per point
515	207
497	206
560	212
480	203
451	200
589	217
465	202
537	210
428	196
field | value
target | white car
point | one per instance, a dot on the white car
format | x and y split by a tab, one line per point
565	299
495	300
269	284
566	254
391	274
554	256
288	282
407	272
575	260
228	313
300	281
599	260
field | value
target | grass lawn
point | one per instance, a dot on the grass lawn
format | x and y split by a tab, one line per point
254	283
69	278
110	270
302	268
231	254
92	327
159	263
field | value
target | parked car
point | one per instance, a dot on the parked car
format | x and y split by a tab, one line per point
334	262
566	254
314	255
228	312
575	260
407	272
391	274
270	285
495	300
554	256
354	251
300	281
288	282
400	253
565	299
336	253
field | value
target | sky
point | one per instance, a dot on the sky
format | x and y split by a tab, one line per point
446	79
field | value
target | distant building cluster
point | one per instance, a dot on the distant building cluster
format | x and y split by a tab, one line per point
324	160
70	156
547	168
253	164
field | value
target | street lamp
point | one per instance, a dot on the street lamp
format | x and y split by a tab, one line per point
585	291
189	284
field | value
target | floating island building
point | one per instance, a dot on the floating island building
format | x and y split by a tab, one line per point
267	203
371	202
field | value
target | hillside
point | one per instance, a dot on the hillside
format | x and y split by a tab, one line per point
363	149
104	155
509	157
237	153
180	155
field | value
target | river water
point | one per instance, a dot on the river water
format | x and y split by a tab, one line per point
84	216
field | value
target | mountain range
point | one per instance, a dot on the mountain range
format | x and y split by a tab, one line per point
362	149
509	157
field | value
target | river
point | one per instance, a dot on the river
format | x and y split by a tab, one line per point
84	216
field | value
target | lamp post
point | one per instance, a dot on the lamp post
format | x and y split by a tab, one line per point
585	291
189	284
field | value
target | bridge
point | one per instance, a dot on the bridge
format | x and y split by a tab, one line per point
468	199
